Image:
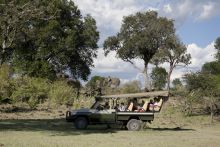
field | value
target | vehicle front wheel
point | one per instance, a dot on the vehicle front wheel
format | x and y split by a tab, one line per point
81	123
134	125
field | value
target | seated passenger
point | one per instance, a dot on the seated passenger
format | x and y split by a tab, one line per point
106	106
130	107
150	105
135	105
156	100
117	107
142	107
122	107
156	104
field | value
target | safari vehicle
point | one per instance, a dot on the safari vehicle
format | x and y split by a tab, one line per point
107	110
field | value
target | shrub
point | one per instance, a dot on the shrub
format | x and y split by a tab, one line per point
207	86
5	83
61	93
30	90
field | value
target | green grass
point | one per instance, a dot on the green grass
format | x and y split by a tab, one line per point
35	133
170	128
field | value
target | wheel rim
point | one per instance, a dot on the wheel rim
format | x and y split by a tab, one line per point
81	124
134	126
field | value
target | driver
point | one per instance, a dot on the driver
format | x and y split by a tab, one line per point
106	106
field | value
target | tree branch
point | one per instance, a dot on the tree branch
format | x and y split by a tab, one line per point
135	66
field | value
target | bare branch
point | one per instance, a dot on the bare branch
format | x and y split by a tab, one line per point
135	66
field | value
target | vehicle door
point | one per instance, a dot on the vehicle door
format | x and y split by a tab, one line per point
106	115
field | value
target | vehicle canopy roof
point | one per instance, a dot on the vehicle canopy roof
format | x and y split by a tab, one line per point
135	95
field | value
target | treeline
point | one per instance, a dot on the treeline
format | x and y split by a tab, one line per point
201	92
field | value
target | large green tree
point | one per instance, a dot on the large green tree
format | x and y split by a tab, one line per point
140	37
15	17
174	52
177	83
56	39
159	77
211	68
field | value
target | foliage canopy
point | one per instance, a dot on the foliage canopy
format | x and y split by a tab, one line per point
159	77
42	38
140	37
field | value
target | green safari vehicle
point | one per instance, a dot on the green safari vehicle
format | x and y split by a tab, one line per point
130	110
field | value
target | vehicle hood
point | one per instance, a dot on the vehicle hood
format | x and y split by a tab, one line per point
83	110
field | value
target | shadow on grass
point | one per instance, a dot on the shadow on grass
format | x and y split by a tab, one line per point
172	129
14	109
56	127
59	127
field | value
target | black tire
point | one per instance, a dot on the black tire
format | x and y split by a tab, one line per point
81	123
134	125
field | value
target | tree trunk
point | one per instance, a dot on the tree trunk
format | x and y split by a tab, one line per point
2	54
212	110
146	79
168	78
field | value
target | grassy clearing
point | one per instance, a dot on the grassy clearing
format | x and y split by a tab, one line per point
170	128
34	133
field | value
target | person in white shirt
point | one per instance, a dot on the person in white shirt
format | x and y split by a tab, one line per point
122	107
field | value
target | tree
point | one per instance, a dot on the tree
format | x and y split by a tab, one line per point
58	41
211	68
140	37
217	46
14	18
102	85
94	85
173	52
131	87
177	83
159	77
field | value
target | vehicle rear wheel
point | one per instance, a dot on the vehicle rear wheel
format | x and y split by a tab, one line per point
134	125
81	123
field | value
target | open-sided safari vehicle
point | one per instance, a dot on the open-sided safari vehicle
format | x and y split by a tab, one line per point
129	110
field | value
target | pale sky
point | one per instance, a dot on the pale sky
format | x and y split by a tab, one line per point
196	21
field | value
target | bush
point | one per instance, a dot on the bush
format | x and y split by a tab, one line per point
207	87
5	83
30	90
131	87
61	93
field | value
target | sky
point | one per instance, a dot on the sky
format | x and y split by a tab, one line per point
196	21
